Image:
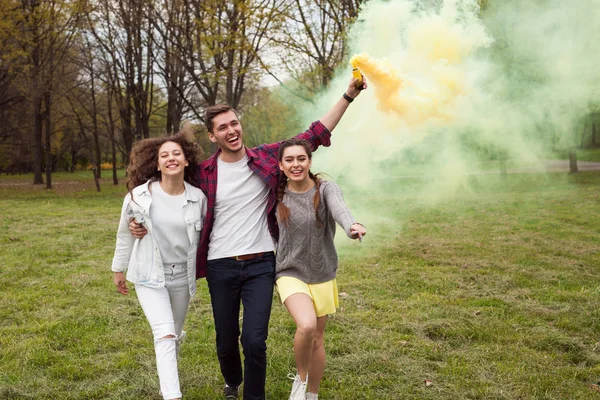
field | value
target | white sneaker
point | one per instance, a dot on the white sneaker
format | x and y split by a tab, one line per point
298	388
312	396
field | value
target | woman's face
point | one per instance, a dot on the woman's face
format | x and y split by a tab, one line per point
171	159
295	163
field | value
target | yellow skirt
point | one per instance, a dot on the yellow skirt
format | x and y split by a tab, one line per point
324	295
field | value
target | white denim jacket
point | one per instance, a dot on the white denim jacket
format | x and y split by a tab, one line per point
141	257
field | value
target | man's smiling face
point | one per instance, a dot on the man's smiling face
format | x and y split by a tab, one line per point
227	133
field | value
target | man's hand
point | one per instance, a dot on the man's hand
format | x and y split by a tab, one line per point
354	88
137	230
121	283
357	231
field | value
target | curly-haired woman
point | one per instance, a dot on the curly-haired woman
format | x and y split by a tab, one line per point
162	264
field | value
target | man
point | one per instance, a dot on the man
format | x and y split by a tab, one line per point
236	249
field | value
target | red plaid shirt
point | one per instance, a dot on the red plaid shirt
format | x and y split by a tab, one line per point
263	161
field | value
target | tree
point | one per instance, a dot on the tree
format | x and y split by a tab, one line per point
312	44
217	43
122	36
13	151
40	37
270	117
169	22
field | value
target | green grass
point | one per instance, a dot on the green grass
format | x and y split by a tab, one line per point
490	293
589	154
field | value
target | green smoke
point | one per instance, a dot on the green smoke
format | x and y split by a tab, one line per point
530	79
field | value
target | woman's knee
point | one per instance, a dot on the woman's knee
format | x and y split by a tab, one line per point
318	339
306	327
163	330
165	338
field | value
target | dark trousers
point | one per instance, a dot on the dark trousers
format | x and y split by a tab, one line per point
251	282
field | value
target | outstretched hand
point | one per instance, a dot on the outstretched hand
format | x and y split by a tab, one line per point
357	231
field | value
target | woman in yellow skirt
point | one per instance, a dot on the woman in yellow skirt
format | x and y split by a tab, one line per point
307	263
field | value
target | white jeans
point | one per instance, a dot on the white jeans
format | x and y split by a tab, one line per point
165	310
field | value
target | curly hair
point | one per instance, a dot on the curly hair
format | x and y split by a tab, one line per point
283	212
144	158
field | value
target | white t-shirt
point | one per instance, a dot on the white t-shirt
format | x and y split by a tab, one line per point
168	223
240	225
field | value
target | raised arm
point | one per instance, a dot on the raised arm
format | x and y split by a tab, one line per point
319	132
333	116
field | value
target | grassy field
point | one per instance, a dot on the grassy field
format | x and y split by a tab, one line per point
492	293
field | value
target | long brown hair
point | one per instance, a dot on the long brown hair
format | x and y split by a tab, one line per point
144	158
283	212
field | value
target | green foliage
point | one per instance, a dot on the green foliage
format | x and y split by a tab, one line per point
272	117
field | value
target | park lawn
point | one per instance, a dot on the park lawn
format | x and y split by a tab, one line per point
490	293
589	154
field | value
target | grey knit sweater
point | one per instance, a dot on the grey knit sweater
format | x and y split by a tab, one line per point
306	250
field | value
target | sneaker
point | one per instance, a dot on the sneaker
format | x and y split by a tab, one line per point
231	392
311	396
298	388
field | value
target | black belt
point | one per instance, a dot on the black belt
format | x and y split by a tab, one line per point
246	257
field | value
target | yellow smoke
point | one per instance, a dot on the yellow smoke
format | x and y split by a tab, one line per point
430	79
441	107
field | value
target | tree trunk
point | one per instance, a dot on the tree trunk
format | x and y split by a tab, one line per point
573	162
94	161
95	122
73	161
37	142
127	131
503	170
96	180
115	176
582	144
48	140
111	134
